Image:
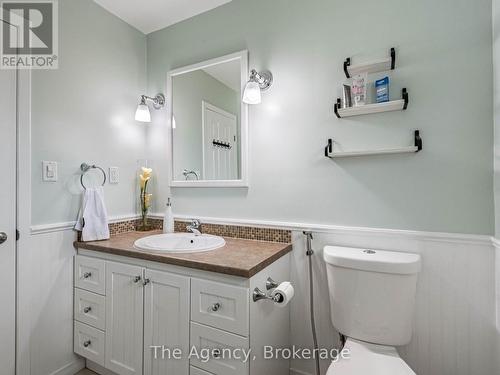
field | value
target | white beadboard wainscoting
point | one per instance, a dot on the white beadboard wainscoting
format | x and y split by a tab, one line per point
455	324
496	244
455	311
45	305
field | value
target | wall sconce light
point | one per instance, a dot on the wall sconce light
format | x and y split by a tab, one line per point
142	113
259	81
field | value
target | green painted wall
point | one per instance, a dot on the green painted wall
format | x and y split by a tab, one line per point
84	111
445	61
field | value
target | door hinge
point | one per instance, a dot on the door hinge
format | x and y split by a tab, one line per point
18	235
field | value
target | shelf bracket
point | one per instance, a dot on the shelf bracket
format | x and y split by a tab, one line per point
329	148
347	63
418	140
336	107
404	94
393	58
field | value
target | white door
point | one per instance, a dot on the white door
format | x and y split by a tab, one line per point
124	318
220	144
166	323
8	220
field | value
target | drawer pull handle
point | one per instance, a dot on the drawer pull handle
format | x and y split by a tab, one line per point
137	279
216	307
87	309
216	353
86	275
87	343
146	282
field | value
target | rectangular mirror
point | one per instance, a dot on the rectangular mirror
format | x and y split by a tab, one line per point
209	123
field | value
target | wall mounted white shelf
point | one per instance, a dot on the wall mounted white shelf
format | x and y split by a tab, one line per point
393	105
330	153
375	66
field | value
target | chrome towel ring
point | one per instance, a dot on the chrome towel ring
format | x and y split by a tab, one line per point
85	168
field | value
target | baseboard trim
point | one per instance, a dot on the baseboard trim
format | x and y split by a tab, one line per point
98	369
71	368
294	371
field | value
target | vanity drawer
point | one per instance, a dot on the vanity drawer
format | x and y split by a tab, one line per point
220	305
89	343
90	308
203	337
198	371
90	274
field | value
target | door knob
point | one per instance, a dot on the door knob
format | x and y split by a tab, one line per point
3	237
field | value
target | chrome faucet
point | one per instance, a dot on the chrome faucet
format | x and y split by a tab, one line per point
194	227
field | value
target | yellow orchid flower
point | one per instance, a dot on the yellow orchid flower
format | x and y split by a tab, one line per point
143	180
146	172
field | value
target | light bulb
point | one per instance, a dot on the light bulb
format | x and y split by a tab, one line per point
142	113
252	95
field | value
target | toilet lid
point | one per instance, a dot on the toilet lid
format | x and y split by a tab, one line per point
364	358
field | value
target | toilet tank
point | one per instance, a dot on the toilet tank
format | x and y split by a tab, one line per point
372	293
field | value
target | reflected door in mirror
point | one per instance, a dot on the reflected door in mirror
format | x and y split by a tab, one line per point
220	145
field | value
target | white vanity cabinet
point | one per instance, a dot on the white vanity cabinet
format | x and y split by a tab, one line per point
124	318
166	321
145	304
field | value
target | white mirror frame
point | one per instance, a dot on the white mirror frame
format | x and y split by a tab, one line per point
242	56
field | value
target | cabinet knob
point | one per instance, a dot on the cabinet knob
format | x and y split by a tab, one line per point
216	307
87	309
137	279
87	343
146	282
86	275
3	237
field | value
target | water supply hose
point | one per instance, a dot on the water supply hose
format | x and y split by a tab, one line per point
309	253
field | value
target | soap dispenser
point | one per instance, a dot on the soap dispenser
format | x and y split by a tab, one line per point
168	219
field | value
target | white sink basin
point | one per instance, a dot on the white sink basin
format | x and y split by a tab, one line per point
179	243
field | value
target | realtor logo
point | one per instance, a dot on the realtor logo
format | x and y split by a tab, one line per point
29	37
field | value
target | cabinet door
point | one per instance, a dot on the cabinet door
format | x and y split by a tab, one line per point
166	323
124	318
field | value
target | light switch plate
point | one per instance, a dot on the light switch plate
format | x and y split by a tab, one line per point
49	171
114	175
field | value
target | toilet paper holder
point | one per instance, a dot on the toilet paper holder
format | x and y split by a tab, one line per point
271	284
258	295
261	295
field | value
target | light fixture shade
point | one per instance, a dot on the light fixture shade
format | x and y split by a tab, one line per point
252	95
142	113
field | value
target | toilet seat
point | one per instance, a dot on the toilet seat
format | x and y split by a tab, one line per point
369	359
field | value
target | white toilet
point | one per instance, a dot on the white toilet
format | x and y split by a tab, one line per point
372	299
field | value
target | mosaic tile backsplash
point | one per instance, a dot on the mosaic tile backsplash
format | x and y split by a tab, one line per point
235	231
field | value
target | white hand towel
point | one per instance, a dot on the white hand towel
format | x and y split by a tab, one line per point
93	217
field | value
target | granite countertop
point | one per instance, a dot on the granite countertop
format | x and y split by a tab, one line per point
239	257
